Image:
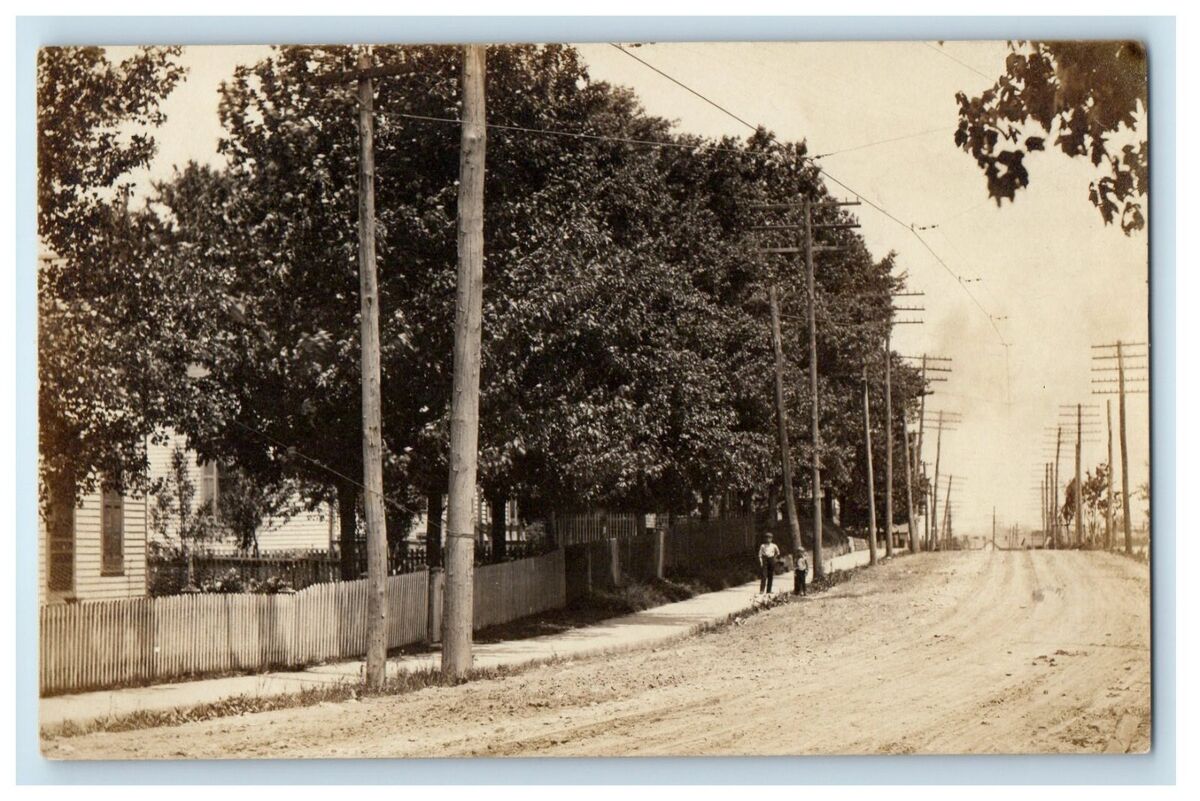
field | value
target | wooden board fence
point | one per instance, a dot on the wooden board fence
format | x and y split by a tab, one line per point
691	542
510	590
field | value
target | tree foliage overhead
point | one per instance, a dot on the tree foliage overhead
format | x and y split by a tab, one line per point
1077	97
626	356
110	336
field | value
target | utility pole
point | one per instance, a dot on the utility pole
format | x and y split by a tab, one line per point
914	542
1102	384
376	519
1078	474
1077	412
889	513
937	468
918	457
928	506
940	365
372	432
1057	452
871	528
944	422
947	532
1045	503
464	405
1108	505
818	562
1124	452
785	453
806	208
889	517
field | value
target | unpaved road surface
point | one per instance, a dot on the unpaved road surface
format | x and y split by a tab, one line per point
967	652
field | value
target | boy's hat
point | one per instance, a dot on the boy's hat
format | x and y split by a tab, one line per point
768	535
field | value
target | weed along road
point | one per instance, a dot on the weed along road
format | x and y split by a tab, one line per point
956	652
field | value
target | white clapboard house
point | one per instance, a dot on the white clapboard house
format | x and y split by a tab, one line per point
105	557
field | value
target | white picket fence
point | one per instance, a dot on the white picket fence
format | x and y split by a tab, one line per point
109	643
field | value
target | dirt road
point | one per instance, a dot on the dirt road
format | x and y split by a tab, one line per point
967	652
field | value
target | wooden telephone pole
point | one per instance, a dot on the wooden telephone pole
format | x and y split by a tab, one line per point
815	395
464	405
889	516
937	467
1078	409
914	541
944	422
789	497
1103	385
1108	504
1124	453
889	513
872	529
806	208
372	430
1078	474
940	365
1057	453
947	532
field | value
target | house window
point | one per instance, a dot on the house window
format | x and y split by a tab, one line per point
210	485
61	552
112	534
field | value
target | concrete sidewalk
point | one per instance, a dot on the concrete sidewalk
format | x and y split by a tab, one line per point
641	629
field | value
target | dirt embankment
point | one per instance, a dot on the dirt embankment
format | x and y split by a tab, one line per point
963	652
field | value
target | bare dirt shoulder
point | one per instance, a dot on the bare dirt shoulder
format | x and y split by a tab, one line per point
966	652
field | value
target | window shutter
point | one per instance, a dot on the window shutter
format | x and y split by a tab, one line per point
112	534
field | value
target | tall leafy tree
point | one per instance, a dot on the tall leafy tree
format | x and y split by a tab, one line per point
625	361
110	342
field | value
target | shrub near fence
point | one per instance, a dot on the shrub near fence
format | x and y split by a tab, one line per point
110	643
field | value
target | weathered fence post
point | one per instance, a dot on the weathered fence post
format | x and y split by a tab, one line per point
433	619
660	548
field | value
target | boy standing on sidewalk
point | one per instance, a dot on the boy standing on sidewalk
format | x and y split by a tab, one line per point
801	574
768	552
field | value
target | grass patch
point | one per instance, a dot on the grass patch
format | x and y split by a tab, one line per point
332	692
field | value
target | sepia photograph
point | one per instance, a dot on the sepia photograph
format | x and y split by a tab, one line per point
610	399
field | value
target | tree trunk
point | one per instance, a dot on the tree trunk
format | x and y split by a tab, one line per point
499	513
348	522
433	529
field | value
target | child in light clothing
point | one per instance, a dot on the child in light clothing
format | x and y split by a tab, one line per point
799	587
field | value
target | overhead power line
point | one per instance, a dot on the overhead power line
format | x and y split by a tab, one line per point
957	61
685	87
910	227
881	142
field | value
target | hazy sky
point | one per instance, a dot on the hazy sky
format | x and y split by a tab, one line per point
1052	277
